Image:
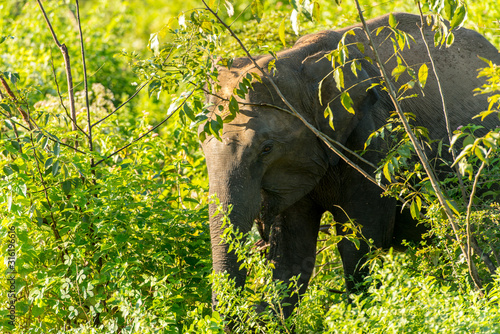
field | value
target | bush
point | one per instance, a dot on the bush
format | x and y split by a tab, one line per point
107	231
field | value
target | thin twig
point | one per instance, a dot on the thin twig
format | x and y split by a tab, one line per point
470	242
331	140
85	82
67	66
121	105
441	94
292	109
61	101
418	149
148	132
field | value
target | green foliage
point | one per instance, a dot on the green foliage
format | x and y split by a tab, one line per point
114	238
401	300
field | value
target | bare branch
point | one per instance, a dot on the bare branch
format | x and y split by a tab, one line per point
292	109
86	87
148	132
124	103
11	94
67	66
471	241
418	149
441	94
61	99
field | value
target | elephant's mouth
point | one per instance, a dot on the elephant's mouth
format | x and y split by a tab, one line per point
265	218
267	214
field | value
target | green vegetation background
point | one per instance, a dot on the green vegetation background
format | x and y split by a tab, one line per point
133	252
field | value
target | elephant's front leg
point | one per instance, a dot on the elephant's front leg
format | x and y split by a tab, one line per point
293	246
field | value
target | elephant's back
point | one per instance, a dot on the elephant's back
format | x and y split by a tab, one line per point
457	67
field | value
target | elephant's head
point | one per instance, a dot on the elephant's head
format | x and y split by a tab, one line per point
268	159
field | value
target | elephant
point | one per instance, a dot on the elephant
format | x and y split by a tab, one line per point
274	170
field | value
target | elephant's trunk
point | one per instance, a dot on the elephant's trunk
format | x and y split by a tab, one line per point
245	199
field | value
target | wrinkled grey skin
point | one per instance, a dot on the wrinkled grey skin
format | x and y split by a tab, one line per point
270	167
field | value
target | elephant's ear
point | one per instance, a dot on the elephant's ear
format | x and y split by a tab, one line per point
331	106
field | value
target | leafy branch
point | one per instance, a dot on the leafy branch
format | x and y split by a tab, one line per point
149	131
420	152
328	141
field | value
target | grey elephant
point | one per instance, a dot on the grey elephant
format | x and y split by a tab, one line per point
271	167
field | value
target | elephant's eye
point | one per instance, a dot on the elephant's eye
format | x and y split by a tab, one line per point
267	148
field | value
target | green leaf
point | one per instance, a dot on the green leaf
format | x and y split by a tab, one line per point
355	241
257	9
453	206
233	106
338	76
481	153
455	137
16	145
422	75
7	170
361	47
449	8
379	30
55	168
355	67
450	39
66	186
48	162
316	11
346	101
437	38
392	21
281	32
388	171
414	210
328	113
397	71
463	154
458	17
188	111
8	124
469	140
57	149
215	129
13	77
257	77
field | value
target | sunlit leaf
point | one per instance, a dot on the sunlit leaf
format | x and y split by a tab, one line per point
338	76
257	9
459	17
392	21
397	71
422	75
281	32
346	101
316	11
329	114
388	171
